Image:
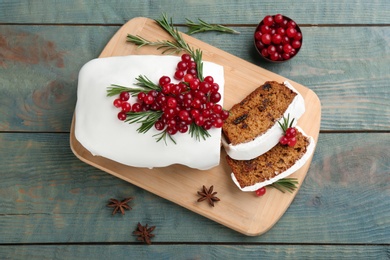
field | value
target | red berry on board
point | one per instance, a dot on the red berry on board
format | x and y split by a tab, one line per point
261	191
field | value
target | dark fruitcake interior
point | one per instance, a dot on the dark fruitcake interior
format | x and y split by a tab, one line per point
258	112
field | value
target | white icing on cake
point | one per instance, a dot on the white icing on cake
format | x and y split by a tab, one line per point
98	129
264	142
298	164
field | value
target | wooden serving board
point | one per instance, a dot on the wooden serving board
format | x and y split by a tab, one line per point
240	211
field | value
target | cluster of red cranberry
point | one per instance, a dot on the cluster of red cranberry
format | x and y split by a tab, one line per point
289	137
278	38
182	104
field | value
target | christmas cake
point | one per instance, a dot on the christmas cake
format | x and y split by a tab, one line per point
98	129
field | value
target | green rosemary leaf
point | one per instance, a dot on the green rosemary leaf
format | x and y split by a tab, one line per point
286	184
168	46
199	64
146	118
168	26
203	26
114	90
286	123
138	40
146	83
198	132
163	136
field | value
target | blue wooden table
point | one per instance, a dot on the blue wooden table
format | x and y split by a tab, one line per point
53	206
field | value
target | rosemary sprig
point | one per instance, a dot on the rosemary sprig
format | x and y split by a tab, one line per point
197	132
286	123
146	84
163	136
203	26
148	118
197	56
286	184
167	46
115	90
145	118
168	26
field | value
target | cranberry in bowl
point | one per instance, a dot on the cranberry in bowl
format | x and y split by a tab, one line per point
277	38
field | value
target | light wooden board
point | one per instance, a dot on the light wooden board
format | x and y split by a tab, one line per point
243	212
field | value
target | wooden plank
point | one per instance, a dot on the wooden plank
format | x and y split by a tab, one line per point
173	182
49	196
194	252
38	87
232	12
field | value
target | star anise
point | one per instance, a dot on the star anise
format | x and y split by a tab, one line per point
144	233
119	205
209	195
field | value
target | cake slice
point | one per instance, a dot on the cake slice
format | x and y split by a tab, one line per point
252	127
277	163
